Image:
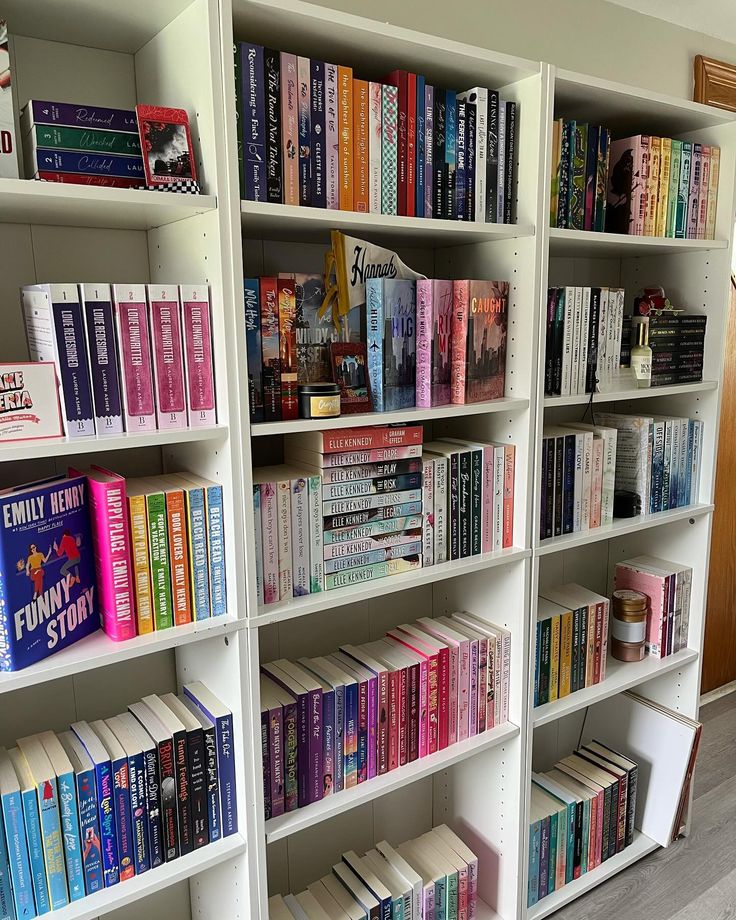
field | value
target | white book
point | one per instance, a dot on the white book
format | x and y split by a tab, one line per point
300	553
466	854
568	337
478	96
427	504
344	898
330	908
577	511
258	532
310	905
441	492
616	331
401	892
405	871
603	322
587	479
696	462
634	444
295	909
576	344
583	335
375	130
610	437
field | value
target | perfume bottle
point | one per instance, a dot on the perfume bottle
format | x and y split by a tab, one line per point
641	353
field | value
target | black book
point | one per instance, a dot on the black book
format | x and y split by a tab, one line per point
209	740
476	499
454	506
564	187
545	645
239	117
318	141
274	181
492	162
568	485
543	501
196	764
461	162
181	769
558	340
591	367
559	479
510	154
439	168
470	166
464	503
152	796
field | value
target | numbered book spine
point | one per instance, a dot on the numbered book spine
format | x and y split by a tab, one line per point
216	547
104	359
318	139
159	560
38	112
121	799
134	339
332	138
168	361
20	870
389	150
374	321
272	90
316	563
138	519
198	565
196	330
289	128
138	813
46	159
253	125
304	129
178	557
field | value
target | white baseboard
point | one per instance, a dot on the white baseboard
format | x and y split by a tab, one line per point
716	694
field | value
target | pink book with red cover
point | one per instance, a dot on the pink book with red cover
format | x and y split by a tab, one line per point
134	340
509	465
196	328
459	338
168	360
459	673
111	538
628	575
427	685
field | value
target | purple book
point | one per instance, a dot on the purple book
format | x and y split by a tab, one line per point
89	164
82	116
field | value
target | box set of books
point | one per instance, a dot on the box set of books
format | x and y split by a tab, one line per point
333	722
312	134
435	875
105	801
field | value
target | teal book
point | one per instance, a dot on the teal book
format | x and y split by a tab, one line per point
553	830
535	839
68	813
578	161
33	832
7	910
15	838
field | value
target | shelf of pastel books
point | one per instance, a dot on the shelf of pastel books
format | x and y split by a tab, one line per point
399	417
24	201
65	446
590	244
621	526
640	847
620	676
262	220
140	886
98	650
327	600
337	803
616	395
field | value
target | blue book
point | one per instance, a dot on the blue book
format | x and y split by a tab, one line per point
65	781
552	862
120	799
15	838
32	820
350	718
253	126
105	801
450	150
560	791
124	729
151	798
89	825
44	779
318	137
461	148
535	831
421	141
209	738
104	358
253	348
222	718
55	332
198	564
88	164
215	546
7	908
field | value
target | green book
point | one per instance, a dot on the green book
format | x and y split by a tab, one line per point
85	139
553	826
158	548
578	161
675	165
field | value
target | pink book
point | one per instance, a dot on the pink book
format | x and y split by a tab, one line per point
509	464
134	340
459	336
196	327
424	344
628	575
290	127
109	520
426	679
596	487
456	643
604	641
168	360
439	714
482	682
487	508
705	161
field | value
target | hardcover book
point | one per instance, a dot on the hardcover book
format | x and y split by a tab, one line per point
134	340
391	343
313	332
288	358
196	330
627	186
166	142
104	359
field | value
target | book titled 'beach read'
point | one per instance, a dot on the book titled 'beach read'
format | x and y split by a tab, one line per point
48	597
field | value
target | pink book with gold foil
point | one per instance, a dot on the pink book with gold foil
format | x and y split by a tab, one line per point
134	340
509	464
168	360
196	327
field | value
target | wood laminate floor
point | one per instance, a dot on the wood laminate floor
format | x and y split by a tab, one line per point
695	878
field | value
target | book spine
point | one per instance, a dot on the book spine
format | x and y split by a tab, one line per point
327	786
272	99
108	835
196	326
70	835
374	486
694	191
399	79
459	335
21	881
350	771
428	536
168	796
715	167
81	179
703	193
421	138
283	517
487	501
270	349
375	515
411	144
178	557
35	855
300	562
361	168
345	129
121	805
136	358
198	565
361	751
454	507
374	322
290	793
655	161
68	114
424	332
314	518
375	145
492	177
168	362
590	176
289	128
602	168
152	798
476	501
369	573
317	138
464	504
138	813
287	348
440	510
159	560
304	130
450	167
339	738
389	149
509	467
390	500
428	150
332	159
461	161
89	828
470	165
342	564
253	124
683	193
86	163
104	363
501	189
510	162
439	171
381	730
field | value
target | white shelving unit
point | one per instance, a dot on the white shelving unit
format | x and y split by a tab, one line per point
179	52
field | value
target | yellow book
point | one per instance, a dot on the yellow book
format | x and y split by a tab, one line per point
664	186
710	220
655	155
136	492
565	654
554	660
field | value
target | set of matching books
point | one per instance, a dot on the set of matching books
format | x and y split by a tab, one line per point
88	808
129	357
583	339
67	142
668	586
572	641
580	158
677	341
582	814
330	723
435	875
311	134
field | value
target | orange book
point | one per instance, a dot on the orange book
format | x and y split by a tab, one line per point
345	135
176	514
360	145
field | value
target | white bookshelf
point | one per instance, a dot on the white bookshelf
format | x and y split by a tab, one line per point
114	54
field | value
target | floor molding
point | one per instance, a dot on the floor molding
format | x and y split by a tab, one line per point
716	694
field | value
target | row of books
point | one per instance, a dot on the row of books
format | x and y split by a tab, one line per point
572	641
668	587
96	805
129	357
582	814
435	875
331	723
312	134
677	343
643	185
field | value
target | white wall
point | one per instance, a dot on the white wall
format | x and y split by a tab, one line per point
591	36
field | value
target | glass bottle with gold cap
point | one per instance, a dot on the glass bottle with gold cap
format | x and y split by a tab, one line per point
641	353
